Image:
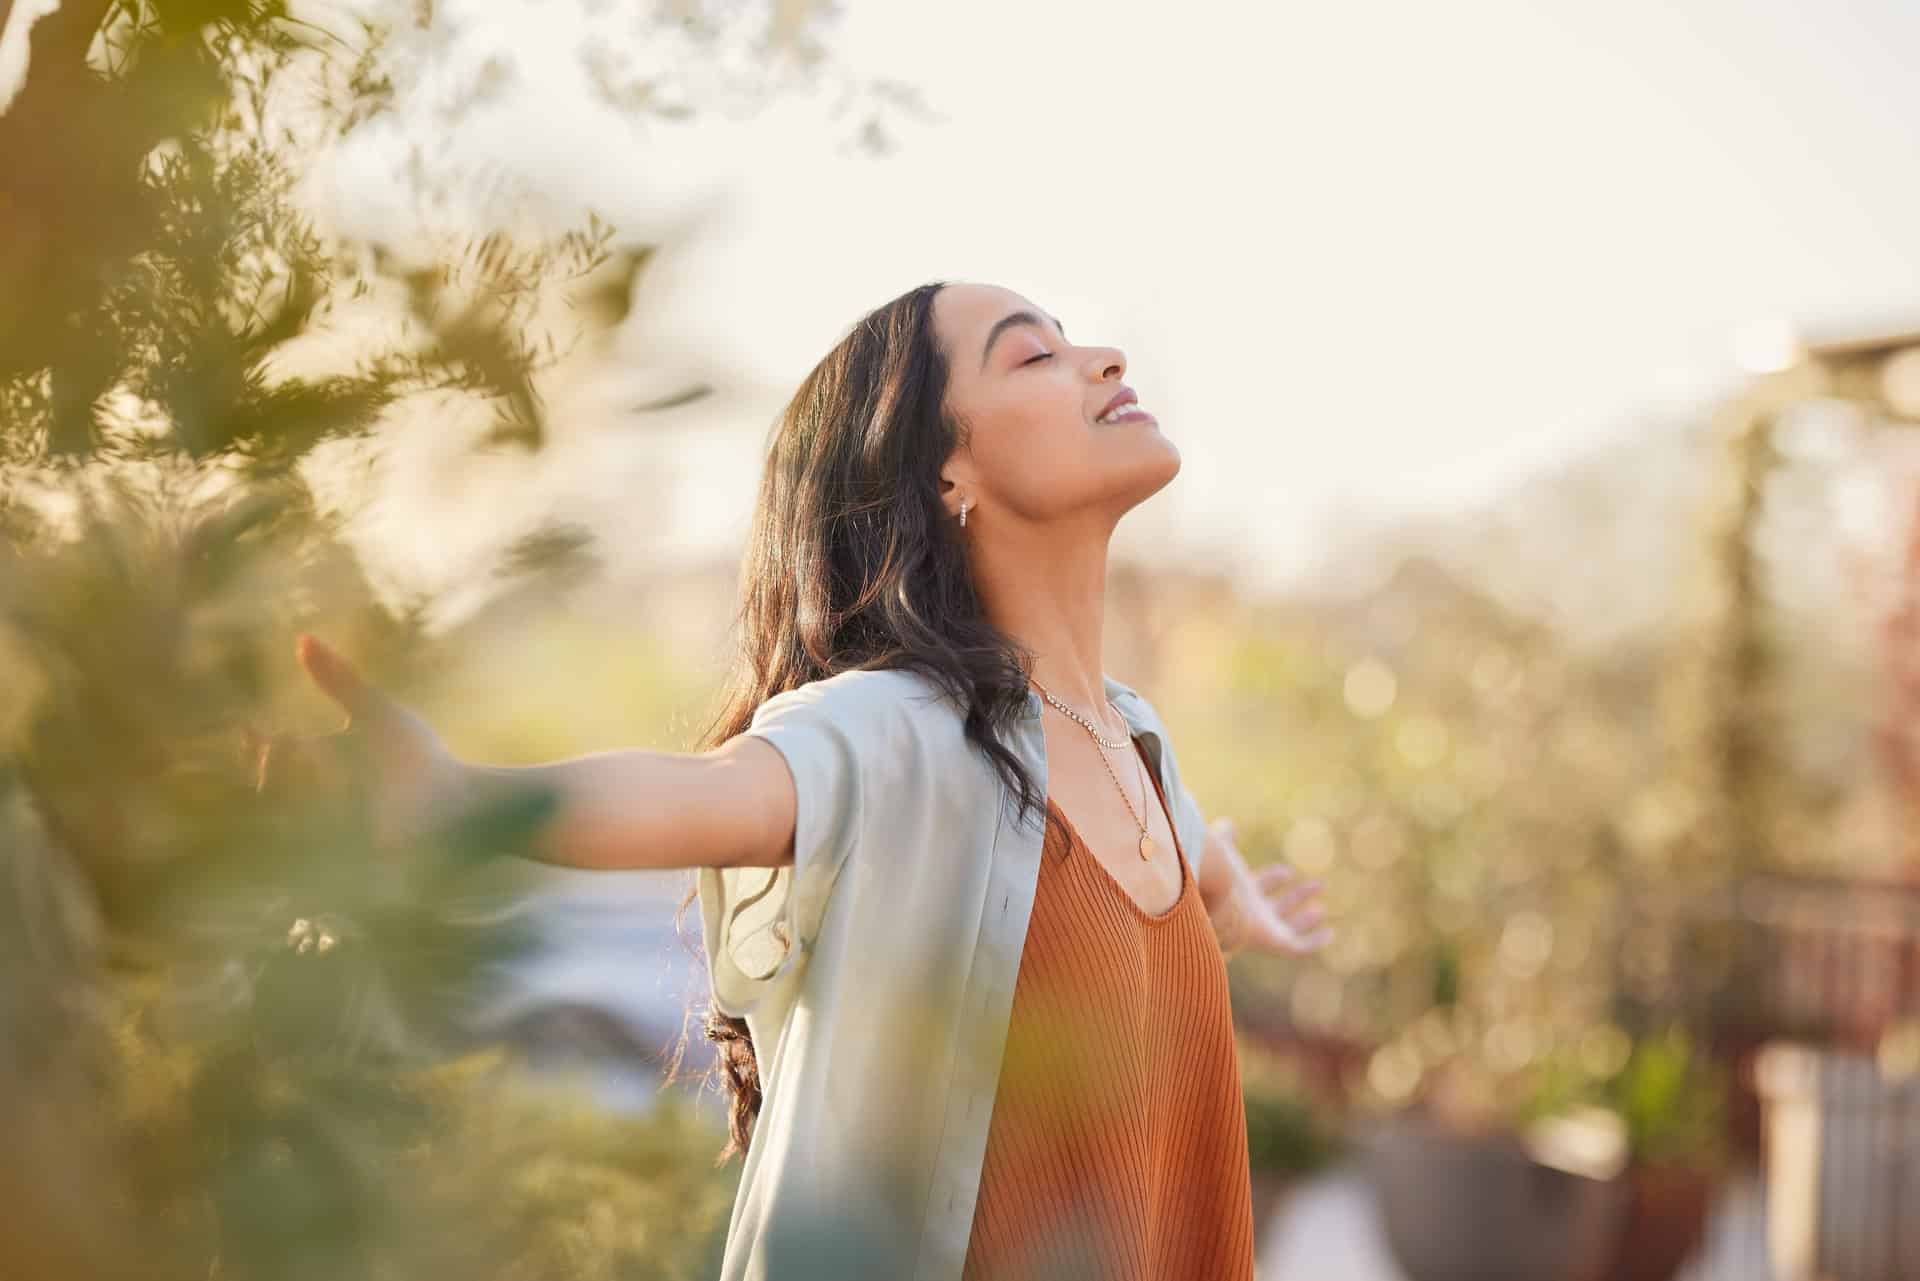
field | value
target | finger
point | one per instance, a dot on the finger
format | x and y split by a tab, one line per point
1315	941
277	764
259	749
253	748
1273	874
1290	900
1307	918
1285	937
335	676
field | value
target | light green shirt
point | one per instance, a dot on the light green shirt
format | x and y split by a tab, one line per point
879	1030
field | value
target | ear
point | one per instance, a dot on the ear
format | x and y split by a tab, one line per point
956	479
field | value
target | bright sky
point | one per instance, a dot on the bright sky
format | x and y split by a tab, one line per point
1360	256
1372	253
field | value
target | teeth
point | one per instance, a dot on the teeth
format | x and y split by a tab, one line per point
1120	412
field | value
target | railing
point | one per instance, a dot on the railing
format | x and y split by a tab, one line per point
1823	990
1826	960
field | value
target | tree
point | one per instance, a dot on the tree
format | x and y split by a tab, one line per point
223	1023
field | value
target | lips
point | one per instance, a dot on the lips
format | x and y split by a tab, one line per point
1124	396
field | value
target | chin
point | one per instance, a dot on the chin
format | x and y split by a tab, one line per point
1169	458
1156	474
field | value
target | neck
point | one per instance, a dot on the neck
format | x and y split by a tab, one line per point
1050	596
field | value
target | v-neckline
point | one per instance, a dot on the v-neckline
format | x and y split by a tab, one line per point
1186	878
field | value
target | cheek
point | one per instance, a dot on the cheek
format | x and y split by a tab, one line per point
1035	453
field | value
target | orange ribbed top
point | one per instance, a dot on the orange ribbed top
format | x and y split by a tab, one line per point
1118	1145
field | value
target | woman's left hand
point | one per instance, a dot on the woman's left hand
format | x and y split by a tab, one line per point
1272	910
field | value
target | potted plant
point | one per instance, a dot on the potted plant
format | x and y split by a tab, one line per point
1555	1172
1672	1103
1466	1194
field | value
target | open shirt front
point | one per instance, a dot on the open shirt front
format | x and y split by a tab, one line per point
876	973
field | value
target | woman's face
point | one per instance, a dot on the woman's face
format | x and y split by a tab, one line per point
1031	398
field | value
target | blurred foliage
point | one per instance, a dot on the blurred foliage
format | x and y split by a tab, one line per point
1483	804
1547	857
160	275
233	1042
1673	1101
1519	835
1669	1096
1287	1134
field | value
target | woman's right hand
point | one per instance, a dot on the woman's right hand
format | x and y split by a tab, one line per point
413	782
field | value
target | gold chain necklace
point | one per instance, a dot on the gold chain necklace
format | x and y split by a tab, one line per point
1146	841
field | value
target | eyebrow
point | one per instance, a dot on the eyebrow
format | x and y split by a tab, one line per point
1007	322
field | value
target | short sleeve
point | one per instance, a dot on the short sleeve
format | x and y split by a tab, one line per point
758	922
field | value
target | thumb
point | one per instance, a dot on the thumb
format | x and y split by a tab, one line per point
336	677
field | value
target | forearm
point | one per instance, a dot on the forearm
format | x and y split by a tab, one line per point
616	810
1227	889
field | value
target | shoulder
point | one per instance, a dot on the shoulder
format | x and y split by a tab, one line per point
891	687
894	700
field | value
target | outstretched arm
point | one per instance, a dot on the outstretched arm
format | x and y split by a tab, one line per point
733	806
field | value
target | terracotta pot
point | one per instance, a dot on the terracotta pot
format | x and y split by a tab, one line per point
1478	1208
1665	1221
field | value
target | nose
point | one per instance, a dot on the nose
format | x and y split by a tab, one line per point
1106	362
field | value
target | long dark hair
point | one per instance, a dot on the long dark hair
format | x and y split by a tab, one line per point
852	562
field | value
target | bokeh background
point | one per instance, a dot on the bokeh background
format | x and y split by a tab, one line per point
1543	574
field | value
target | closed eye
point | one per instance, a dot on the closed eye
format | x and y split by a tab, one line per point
1042	356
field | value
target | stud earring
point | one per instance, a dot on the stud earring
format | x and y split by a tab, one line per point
963	513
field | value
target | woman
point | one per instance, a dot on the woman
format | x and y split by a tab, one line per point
962	918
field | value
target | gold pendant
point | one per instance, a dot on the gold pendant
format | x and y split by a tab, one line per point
1146	846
